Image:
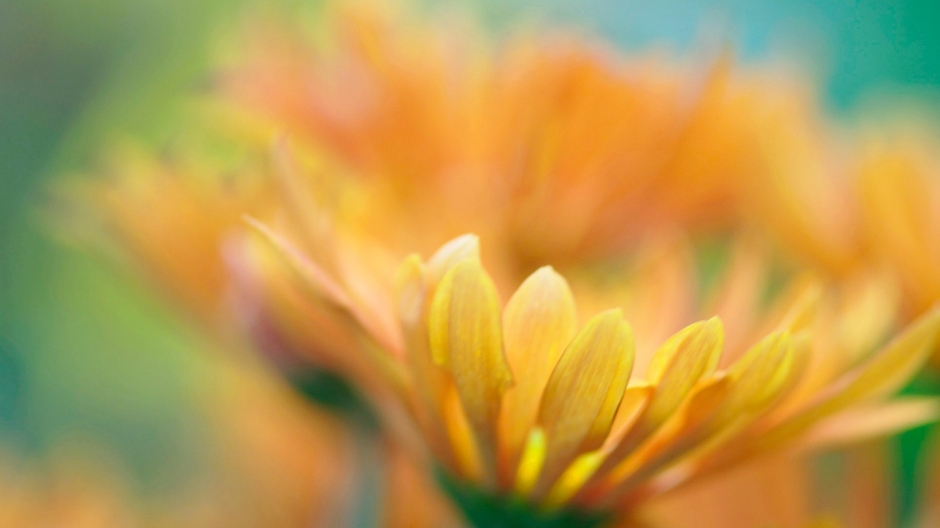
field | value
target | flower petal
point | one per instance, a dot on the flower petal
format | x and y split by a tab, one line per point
538	323
465	335
679	364
584	391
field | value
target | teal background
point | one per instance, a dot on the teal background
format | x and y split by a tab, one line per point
85	353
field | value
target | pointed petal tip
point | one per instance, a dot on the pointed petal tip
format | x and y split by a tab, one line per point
464	247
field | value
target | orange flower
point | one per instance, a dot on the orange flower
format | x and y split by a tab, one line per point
446	137
519	399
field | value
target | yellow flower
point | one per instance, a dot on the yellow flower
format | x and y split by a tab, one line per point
527	400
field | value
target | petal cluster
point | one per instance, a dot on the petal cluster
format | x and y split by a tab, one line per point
530	401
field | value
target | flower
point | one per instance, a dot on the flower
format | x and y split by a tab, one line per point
499	141
448	137
523	401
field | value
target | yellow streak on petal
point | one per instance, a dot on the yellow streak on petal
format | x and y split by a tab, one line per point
465	335
533	456
573	478
584	392
538	323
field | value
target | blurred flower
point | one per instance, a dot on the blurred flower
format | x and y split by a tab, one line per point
424	116
868	205
447	136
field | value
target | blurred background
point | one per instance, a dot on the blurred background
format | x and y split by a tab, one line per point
87	358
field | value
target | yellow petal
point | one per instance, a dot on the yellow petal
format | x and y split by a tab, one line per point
305	204
531	462
683	431
633	407
465	335
676	368
680	363
718	409
411	289
799	307
538	323
760	374
584	391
